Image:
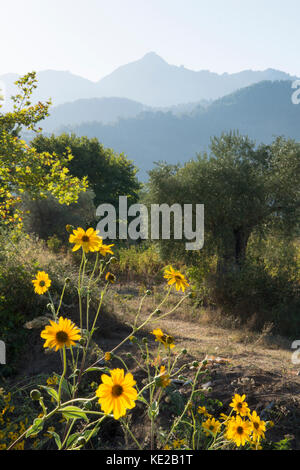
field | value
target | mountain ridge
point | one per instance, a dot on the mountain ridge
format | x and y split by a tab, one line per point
149	80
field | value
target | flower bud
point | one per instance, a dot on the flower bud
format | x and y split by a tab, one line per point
133	339
148	292
69	228
35	395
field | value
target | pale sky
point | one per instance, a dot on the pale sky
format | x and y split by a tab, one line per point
91	38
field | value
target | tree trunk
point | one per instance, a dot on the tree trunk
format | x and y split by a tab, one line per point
234	254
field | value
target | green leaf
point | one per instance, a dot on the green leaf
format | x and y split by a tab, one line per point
73	412
153	410
56	437
51	391
36	427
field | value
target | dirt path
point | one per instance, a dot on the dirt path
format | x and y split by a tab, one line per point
239	362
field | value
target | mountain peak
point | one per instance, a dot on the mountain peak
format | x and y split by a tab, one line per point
153	57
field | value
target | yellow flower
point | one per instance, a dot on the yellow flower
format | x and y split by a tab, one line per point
178	443
258	427
166	340
238	431
163	378
116	393
211	426
52	380
167	447
107	356
239	405
203	411
89	240
58	335
110	277
41	283
175	277
104	249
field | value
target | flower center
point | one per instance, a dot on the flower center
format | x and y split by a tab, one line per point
117	390
240	405
169	340
85	238
42	283
240	430
256	425
62	336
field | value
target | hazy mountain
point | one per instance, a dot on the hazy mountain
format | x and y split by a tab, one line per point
262	111
105	110
60	86
152	81
149	80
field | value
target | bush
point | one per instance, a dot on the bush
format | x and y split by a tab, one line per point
47	217
21	258
142	263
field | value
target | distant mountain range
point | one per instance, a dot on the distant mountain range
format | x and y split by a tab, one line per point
149	80
152	110
262	111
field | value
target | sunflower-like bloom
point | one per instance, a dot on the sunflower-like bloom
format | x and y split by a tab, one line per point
163	380
58	335
110	277
258	427
41	283
203	411
117	392
238	430
175	277
211	426
178	443
166	340
239	405
105	249
87	240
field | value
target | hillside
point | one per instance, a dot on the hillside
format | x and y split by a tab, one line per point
149	80
262	111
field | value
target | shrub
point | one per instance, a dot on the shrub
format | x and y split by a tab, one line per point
142	263
20	259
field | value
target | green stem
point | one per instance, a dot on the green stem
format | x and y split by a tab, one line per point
63	374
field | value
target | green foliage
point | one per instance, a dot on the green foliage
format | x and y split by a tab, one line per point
20	259
110	175
22	168
242	188
47	218
140	262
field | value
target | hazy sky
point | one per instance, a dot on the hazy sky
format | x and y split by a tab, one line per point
93	37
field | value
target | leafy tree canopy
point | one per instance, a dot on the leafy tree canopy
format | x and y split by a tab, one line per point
243	188
109	174
22	167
